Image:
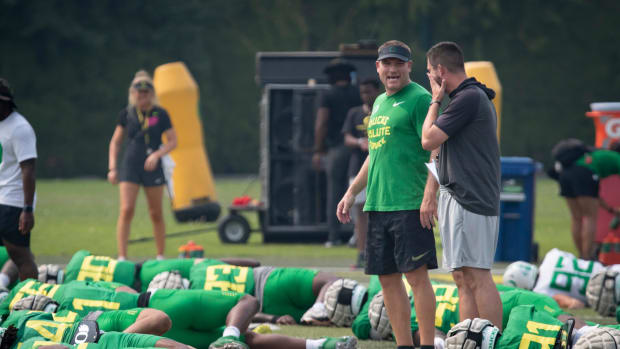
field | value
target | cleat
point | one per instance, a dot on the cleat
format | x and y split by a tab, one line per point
348	342
228	343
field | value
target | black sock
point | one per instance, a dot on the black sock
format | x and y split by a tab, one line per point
427	346
405	347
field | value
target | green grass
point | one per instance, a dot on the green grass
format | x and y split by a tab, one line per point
76	214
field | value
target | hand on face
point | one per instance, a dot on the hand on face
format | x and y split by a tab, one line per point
438	88
438	85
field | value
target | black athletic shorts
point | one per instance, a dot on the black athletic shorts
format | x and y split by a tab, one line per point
134	172
578	181
397	243
9	226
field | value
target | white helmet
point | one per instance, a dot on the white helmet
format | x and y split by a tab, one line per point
521	274
473	334
599	338
343	300
380	327
51	273
603	292
169	279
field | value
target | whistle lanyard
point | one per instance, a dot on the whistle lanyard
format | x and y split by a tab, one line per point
144	123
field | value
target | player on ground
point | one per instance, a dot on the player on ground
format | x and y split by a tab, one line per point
85	267
527	328
447	311
292	294
561	275
114	329
198	317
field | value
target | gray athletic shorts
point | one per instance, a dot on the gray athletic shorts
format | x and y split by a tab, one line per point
468	239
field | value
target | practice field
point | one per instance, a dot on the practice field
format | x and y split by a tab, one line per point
82	213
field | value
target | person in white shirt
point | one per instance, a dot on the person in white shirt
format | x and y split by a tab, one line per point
17	183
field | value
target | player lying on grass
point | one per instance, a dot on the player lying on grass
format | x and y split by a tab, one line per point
561	275
373	323
198	317
85	267
286	295
529	328
110	329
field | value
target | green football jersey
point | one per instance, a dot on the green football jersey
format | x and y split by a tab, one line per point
541	302
62	326
446	308
24	289
528	328
85	267
83	297
78	296
211	274
396	171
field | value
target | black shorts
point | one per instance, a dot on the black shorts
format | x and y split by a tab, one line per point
9	226
134	172
397	243
578	181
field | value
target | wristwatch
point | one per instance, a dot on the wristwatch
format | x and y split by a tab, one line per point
28	209
435	101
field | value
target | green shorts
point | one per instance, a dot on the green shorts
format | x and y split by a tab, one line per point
198	316
288	291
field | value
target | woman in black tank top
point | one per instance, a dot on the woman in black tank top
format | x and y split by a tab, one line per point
143	122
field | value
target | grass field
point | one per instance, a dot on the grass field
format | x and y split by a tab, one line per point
81	213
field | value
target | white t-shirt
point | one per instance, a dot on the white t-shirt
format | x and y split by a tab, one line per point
562	272
17	143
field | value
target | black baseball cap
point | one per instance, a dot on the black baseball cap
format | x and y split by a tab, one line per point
394	51
5	93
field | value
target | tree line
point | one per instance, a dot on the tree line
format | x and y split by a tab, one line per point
70	63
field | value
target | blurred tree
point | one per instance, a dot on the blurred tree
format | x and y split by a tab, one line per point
70	62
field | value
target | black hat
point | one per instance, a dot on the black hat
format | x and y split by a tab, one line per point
5	93
337	65
395	51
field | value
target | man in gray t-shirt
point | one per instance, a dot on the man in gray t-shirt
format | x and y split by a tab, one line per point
469	178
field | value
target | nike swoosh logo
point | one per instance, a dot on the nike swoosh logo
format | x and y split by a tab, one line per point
397	104
417	258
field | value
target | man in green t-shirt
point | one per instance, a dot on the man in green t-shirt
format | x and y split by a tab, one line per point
400	239
578	170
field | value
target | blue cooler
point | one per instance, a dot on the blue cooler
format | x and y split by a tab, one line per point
516	217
